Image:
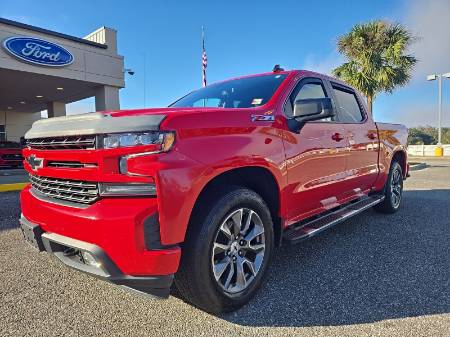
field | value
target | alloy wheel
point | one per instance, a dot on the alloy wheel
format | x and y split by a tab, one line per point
396	188
238	250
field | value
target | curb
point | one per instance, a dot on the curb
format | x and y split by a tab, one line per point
12	187
416	167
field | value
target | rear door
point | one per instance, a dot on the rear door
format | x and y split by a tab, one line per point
315	157
361	134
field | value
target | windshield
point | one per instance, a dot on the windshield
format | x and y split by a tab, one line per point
248	92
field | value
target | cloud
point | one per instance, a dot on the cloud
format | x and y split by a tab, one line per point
429	21
412	114
323	65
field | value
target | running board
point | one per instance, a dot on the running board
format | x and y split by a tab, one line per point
309	229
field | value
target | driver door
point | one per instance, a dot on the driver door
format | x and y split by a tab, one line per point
315	158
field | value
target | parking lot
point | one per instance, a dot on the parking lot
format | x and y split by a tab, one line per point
11	176
374	275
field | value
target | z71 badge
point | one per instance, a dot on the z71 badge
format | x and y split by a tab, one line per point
263	118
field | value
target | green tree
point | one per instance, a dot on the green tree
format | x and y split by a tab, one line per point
427	135
422	135
445	135
376	58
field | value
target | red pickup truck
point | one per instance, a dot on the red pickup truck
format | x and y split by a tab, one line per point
201	192
10	154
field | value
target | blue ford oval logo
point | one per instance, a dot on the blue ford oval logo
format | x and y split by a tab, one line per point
38	51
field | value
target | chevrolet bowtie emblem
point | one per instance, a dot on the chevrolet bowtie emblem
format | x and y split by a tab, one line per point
34	162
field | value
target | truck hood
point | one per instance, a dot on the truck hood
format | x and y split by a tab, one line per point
169	111
109	122
95	123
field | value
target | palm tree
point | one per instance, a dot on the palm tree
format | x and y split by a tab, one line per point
377	59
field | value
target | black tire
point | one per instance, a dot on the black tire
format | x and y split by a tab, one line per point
393	190
195	279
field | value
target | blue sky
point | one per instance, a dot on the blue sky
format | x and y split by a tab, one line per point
244	37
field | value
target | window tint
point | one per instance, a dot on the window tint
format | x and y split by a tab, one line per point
208	103
348	109
246	92
307	90
310	90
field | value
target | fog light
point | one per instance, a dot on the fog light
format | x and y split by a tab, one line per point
90	260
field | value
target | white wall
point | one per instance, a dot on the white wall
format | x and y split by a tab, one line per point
91	64
17	123
427	150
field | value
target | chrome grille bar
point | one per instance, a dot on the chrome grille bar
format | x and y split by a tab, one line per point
72	190
62	143
69	164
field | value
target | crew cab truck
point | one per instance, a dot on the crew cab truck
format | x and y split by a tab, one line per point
201	193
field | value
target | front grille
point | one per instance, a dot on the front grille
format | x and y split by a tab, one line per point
72	190
69	164
62	143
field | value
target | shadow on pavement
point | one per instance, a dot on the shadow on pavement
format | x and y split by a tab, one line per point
373	267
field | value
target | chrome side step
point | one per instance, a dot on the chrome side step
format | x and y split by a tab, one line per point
306	229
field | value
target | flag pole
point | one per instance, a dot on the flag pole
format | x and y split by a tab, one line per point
204	63
204	58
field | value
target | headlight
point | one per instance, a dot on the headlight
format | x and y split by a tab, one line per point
163	141
130	189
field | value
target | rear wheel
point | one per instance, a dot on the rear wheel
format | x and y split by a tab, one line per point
393	190
227	252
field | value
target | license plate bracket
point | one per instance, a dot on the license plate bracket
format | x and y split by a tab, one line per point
32	234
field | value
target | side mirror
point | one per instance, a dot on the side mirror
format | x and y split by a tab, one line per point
312	109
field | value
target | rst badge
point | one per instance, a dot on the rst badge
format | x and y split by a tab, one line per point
38	51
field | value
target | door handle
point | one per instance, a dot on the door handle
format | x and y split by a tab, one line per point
337	137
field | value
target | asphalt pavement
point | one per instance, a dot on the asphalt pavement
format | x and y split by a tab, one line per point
11	176
374	275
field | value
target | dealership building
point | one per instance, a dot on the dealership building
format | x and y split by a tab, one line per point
45	70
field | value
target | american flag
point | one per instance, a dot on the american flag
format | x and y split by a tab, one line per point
204	60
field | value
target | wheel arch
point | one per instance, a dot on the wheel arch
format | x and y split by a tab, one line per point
400	156
257	178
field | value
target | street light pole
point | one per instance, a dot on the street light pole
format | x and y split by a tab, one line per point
439	78
440	111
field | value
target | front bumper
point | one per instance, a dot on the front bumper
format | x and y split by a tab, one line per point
116	225
73	253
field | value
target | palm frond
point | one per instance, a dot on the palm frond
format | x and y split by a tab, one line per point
376	57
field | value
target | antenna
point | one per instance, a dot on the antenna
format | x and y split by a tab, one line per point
277	68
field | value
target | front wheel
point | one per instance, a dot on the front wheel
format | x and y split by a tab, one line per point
227	252
393	190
